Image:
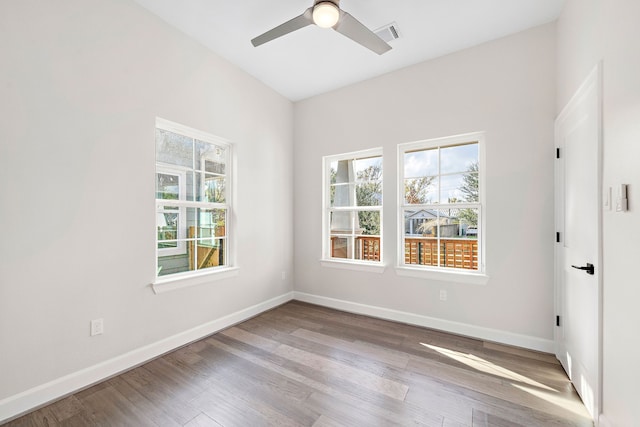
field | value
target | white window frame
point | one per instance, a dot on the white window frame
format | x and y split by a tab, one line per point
435	272
188	278
345	263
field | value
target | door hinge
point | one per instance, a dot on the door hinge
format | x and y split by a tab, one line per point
557	237
557	320
557	153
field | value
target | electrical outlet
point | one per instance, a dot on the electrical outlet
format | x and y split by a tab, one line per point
443	295
97	327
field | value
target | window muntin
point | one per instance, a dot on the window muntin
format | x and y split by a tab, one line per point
192	200
441	204
353	207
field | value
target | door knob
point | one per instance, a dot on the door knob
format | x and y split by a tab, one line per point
589	268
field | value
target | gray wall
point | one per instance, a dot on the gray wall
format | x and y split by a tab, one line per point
81	84
505	88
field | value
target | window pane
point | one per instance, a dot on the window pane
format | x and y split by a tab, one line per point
211	188
414	221
343	195
206	223
174	149
451	189
421	163
369	222
340	247
173	263
367	173
447	224
212	223
208	253
343	222
176	261
167	224
458	247
333	172
191	186
367	248
470	185
190	222
369	169
167	186
369	193
210	157
166	244
215	167
468	220
458	158
421	190
420	238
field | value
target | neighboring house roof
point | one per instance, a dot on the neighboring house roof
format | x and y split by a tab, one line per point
425	214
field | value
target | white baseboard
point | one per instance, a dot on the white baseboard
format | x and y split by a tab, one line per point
38	396
495	335
18	404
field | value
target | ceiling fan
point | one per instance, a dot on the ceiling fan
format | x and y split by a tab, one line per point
327	14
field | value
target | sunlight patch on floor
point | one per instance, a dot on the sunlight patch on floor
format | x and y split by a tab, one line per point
487	367
573	405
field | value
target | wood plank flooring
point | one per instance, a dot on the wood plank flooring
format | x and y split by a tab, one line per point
304	365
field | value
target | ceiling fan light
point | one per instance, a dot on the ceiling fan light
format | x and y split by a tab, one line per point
325	14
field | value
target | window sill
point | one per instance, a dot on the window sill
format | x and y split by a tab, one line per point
172	283
353	265
445	276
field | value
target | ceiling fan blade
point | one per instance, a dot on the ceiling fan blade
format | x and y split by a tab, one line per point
352	28
290	26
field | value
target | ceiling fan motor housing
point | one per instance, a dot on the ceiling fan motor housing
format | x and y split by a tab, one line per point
325	13
335	2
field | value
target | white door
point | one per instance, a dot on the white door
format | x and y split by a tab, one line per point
578	254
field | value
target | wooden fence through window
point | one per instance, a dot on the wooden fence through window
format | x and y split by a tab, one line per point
454	253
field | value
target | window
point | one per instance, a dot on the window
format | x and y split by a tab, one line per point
352	218
441	204
192	200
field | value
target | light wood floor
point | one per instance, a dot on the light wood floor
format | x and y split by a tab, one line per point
304	365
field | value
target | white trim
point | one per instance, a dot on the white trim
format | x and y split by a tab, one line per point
161	282
176	281
327	209
411	270
594	81
494	335
181	129
14	406
455	275
354	265
445	140
361	154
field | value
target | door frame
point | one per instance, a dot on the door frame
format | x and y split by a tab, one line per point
592	82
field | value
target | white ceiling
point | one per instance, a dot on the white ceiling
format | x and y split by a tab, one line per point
312	60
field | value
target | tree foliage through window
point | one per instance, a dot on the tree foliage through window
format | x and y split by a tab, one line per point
368	193
470	190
